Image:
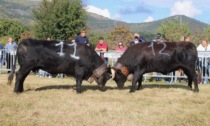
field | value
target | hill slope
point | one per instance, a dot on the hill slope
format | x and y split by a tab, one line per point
20	9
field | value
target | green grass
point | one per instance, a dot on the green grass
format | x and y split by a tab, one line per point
53	102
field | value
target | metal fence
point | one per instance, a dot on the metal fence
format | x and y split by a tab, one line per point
7	60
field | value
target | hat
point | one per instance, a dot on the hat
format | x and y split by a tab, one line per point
158	36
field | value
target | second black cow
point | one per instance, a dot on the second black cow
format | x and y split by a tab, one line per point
59	57
162	57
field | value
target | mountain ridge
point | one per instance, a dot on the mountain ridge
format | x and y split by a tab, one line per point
22	10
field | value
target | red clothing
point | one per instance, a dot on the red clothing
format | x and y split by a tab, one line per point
102	46
118	49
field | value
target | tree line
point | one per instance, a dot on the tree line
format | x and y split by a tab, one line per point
62	20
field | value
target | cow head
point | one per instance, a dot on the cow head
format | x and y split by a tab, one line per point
103	79
120	74
118	77
101	75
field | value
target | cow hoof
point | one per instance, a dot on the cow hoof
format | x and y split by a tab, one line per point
18	91
103	89
132	91
196	91
140	88
190	86
78	91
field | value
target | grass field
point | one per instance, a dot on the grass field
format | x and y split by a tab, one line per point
54	102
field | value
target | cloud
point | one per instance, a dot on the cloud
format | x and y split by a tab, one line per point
99	11
135	10
149	19
117	17
185	8
159	3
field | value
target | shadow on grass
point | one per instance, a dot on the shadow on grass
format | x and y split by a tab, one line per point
96	87
151	86
83	87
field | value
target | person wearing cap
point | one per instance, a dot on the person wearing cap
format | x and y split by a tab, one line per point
137	39
82	38
158	38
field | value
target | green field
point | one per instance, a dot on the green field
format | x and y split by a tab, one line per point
54	102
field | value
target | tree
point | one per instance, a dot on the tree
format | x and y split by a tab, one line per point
173	30
11	28
197	35
207	33
120	33
59	19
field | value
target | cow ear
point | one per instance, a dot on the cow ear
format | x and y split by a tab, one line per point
119	72
124	71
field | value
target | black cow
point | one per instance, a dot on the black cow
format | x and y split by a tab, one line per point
59	57
162	57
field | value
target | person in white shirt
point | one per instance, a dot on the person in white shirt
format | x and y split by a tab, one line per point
10	50
203	62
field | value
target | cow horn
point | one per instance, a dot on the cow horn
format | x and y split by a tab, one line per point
113	73
91	79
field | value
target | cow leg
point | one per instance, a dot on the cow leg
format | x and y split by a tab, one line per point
79	78
196	82
192	76
189	77
78	84
20	77
137	76
140	83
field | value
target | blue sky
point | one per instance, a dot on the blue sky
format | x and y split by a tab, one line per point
138	11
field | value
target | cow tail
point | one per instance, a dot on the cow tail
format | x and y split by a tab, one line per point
11	75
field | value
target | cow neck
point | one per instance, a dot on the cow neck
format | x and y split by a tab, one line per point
99	71
122	68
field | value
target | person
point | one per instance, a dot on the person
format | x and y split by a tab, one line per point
120	48
187	38
203	63
1	46
10	49
137	39
158	38
82	38
1	54
102	47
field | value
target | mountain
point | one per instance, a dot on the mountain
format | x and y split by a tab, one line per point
19	9
22	10
99	23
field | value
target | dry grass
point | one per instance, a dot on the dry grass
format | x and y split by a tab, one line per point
54	102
